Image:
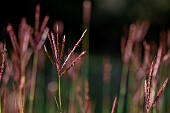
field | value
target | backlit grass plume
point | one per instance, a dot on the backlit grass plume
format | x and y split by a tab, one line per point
3	56
148	86
56	61
21	54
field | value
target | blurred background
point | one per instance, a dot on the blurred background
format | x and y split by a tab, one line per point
107	21
108	17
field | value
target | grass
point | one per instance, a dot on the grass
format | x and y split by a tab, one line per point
65	81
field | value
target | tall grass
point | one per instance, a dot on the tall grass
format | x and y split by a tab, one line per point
144	75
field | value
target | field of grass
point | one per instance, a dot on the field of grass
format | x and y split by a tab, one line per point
41	71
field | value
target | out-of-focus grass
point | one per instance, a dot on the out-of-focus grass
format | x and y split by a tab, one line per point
123	81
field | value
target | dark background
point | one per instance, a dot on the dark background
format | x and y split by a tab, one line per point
108	17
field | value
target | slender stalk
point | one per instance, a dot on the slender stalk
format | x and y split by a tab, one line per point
33	80
56	102
22	87
114	105
86	14
123	90
0	106
59	94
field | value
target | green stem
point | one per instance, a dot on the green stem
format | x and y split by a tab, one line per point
22	87
59	94
122	92
33	80
0	106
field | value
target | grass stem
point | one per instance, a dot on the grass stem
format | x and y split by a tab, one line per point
33	80
59	94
